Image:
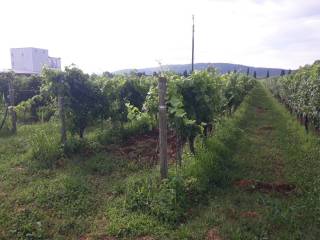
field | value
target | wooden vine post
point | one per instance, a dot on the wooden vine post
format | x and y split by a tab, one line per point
62	112
4	118
11	100
163	153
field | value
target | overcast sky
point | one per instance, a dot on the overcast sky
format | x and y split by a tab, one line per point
100	35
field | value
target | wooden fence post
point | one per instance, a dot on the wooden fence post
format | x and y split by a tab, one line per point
163	128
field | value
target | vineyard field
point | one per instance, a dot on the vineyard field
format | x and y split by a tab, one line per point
160	120
271	191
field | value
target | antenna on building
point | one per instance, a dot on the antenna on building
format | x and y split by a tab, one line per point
192	61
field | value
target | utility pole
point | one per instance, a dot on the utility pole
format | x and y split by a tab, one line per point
163	152
192	61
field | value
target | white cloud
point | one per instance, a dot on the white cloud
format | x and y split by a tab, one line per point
101	35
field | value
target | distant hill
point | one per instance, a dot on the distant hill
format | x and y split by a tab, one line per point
222	68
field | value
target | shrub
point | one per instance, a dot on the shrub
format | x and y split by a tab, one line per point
122	224
28	225
120	134
45	148
167	200
135	128
139	194
103	165
212	165
71	196
109	136
170	202
76	145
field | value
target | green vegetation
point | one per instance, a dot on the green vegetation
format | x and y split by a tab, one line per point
127	104
300	93
252	172
275	151
111	109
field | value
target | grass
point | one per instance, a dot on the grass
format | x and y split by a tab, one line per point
85	197
274	148
61	203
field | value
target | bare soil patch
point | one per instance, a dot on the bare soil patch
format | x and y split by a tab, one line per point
249	214
260	110
213	234
265	187
267	128
144	148
108	238
145	238
103	237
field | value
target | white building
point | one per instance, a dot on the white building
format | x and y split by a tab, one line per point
32	60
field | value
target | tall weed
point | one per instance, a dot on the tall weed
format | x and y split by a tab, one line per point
45	148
